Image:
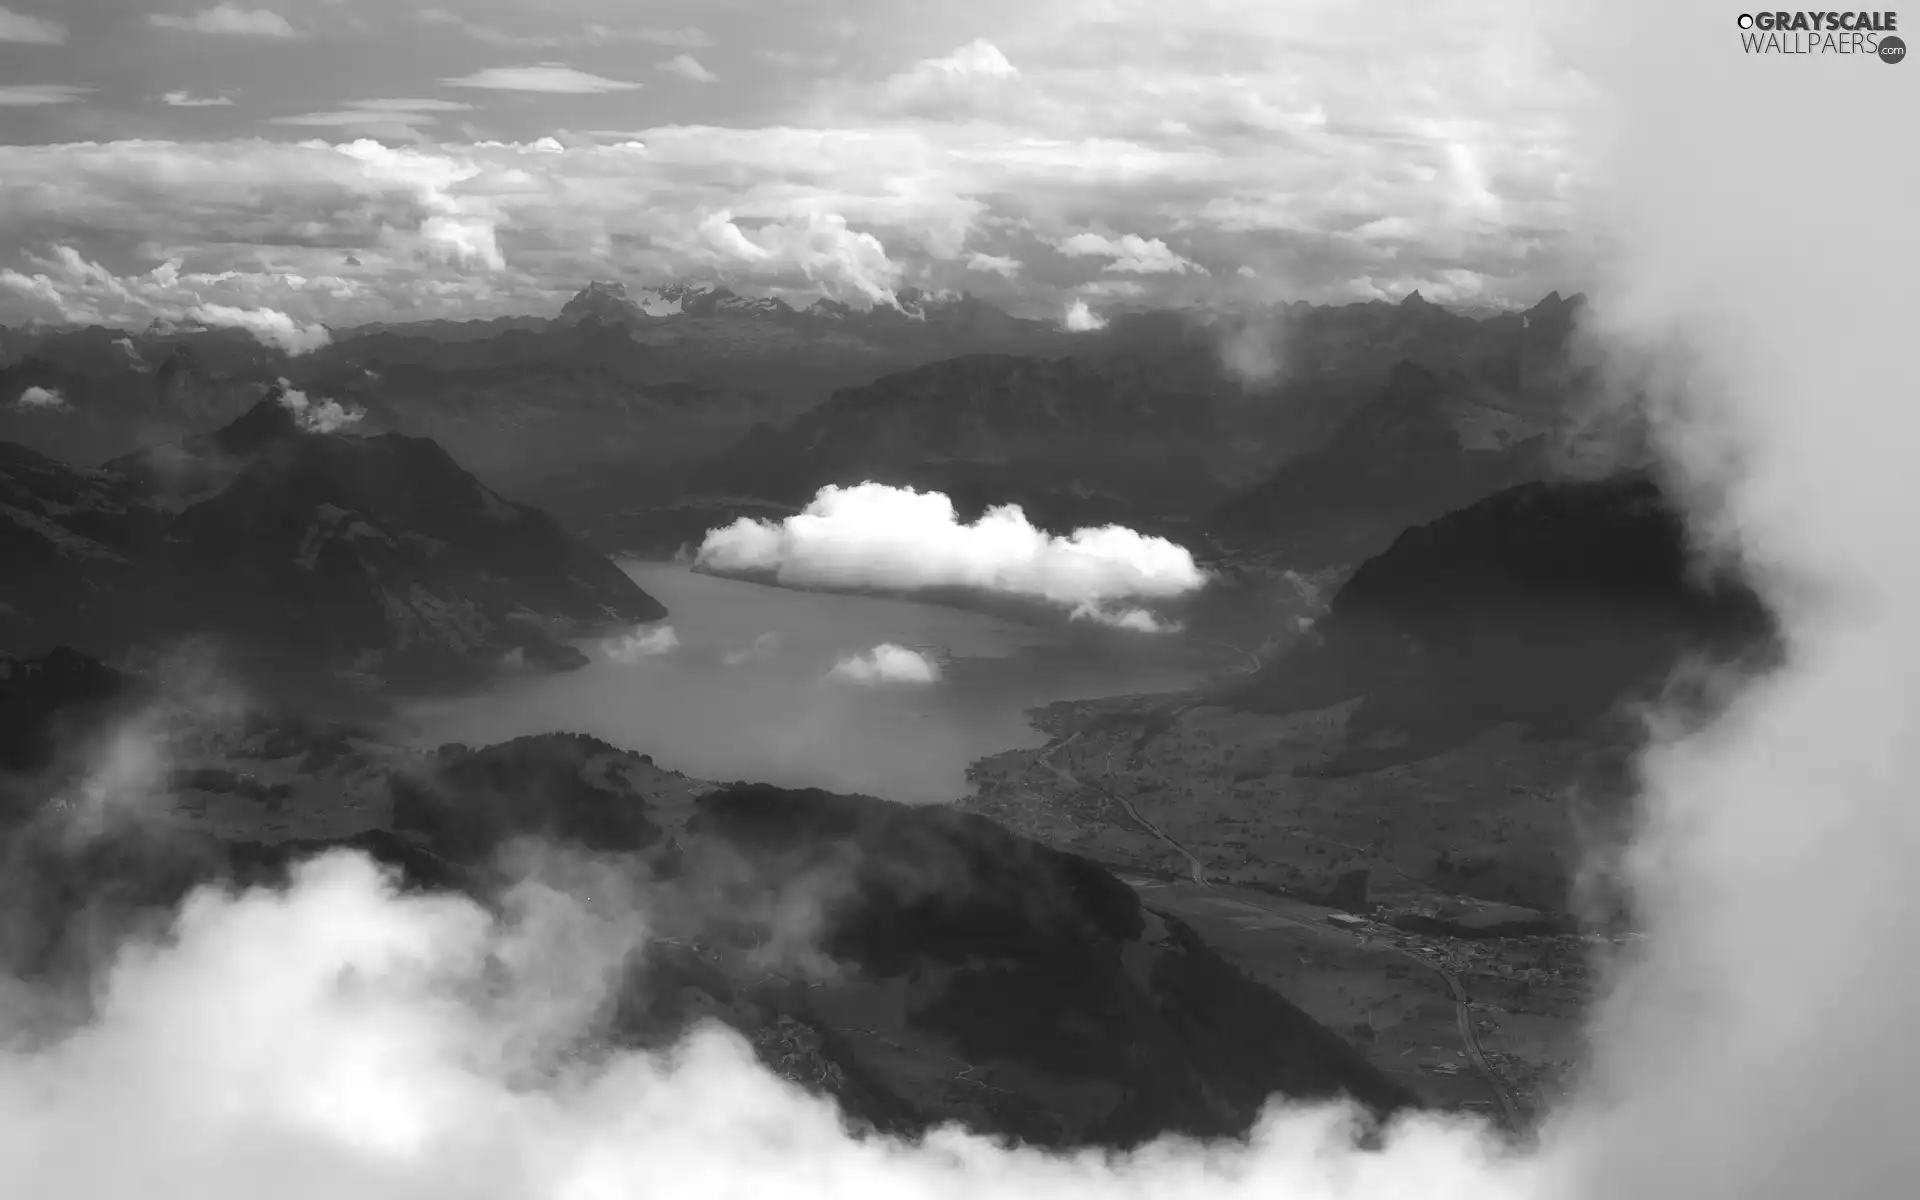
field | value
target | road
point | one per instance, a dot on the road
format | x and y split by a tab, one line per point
1462	1002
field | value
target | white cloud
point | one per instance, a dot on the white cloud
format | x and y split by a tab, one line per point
968	82
25	29
39	397
1081	319
898	539
1130	253
554	78
34	95
189	100
362	1042
269	325
1233	133
687	67
229	20
1002	265
1138	620
643	644
884	664
317	416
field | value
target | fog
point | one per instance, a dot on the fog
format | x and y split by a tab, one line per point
315	1043
746	680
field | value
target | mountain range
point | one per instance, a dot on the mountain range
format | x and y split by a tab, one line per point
324	563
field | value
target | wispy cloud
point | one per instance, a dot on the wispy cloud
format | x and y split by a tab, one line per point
1130	253
554	78
189	100
687	67
229	20
590	34
30	30
396	119
29	95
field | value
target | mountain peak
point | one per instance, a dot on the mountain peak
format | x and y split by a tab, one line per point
1414	299
602	300
268	421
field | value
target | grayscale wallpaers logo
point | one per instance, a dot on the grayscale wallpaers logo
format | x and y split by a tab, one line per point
1867	34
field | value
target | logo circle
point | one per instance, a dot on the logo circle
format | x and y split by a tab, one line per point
1892	50
1746	21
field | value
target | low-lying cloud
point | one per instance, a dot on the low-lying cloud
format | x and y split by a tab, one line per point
42	397
1081	319
318	416
643	644
271	326
886	663
872	536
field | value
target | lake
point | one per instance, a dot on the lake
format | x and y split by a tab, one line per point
746	693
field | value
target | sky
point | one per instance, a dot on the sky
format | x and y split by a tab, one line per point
342	161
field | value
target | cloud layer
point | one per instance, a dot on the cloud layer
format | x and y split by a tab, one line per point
899	539
886	663
42	398
1162	146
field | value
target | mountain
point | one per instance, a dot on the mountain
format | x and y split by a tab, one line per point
43	697
1422	447
919	965
1072	442
1546	606
1161	427
123	390
317	559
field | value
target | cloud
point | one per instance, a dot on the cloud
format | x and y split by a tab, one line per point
1130	253
394	119
554	78
229	20
269	325
80	291
40	397
765	646
1001	265
334	1034
1138	620
885	664
35	95
25	29
590	34
687	67
898	539
189	100
1081	319
643	644
317	416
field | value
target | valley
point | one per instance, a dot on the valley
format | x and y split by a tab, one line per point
1329	828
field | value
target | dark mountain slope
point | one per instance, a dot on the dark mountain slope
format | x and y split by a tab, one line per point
952	971
312	558
1545	605
1404	458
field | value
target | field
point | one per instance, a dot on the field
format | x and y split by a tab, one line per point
1419	910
